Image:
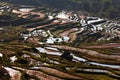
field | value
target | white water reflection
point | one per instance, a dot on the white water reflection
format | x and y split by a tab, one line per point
76	58
104	65
43	50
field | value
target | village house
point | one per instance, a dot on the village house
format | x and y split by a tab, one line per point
26	9
62	15
4	8
25	35
39	33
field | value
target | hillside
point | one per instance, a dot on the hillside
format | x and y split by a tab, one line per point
101	8
52	40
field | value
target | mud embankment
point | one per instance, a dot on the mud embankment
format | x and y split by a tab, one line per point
91	55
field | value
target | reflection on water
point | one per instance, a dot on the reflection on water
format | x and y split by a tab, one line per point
76	58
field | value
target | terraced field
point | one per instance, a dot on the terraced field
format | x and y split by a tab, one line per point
47	64
92	50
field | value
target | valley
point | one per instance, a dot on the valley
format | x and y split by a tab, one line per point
39	43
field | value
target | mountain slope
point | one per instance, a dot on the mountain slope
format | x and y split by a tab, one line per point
102	8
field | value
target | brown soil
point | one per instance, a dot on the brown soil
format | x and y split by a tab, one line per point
40	75
92	55
105	46
59	73
66	33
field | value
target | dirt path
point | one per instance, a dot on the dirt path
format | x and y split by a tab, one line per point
40	75
105	46
66	33
52	23
48	72
25	14
43	26
73	35
59	73
41	15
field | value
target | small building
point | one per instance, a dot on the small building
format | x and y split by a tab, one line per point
26	9
25	35
39	33
52	40
62	15
83	19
